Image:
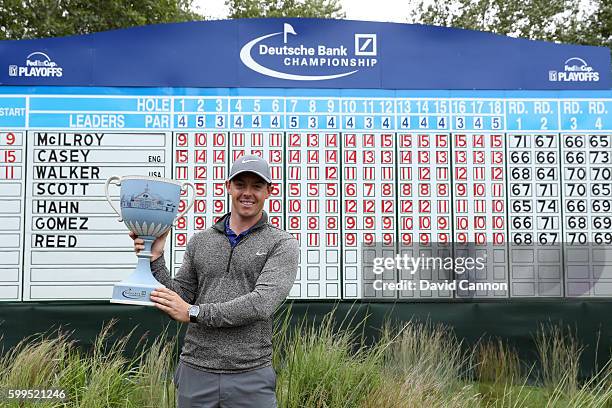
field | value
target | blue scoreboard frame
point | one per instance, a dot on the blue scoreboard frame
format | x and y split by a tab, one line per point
393	147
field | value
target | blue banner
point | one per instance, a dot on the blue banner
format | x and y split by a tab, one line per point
303	53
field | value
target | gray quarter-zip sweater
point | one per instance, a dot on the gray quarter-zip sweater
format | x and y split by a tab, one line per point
238	290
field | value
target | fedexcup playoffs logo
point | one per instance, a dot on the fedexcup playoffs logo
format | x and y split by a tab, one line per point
37	64
574	70
299	61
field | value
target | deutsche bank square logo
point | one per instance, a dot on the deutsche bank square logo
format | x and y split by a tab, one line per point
365	45
12	70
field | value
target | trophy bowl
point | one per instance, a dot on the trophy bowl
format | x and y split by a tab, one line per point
149	207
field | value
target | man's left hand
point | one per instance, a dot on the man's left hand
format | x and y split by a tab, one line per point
171	303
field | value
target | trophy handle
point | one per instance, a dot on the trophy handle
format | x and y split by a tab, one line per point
184	186
115	180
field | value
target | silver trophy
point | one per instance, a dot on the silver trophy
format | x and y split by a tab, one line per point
149	207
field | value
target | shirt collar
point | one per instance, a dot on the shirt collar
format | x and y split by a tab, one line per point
221	222
230	232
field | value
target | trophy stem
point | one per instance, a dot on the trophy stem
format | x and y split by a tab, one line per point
146	252
144	256
136	288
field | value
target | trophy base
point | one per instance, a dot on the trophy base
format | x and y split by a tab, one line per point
132	302
133	294
137	287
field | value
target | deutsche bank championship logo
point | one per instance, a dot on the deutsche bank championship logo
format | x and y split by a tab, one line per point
303	57
365	45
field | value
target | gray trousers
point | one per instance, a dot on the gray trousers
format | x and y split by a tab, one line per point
201	389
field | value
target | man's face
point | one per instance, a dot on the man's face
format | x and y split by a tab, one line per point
248	192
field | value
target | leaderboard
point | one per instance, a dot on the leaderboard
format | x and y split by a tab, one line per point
520	178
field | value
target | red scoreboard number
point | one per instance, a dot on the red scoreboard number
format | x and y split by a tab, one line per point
11	156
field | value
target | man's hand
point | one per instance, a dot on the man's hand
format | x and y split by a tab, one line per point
171	303
157	249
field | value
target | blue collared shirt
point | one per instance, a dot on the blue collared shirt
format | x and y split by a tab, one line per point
231	235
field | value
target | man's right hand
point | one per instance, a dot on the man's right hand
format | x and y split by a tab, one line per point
157	249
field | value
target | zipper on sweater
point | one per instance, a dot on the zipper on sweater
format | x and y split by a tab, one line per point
229	261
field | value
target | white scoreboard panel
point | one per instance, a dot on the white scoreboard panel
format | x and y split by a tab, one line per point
424	205
75	247
313	191
201	154
587	193
12	189
368	210
520	179
479	178
534	208
312	206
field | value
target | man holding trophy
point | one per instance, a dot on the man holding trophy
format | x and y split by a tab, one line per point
233	277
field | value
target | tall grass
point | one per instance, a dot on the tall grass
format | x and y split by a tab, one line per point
497	362
559	353
100	378
319	365
423	367
34	362
323	363
156	364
